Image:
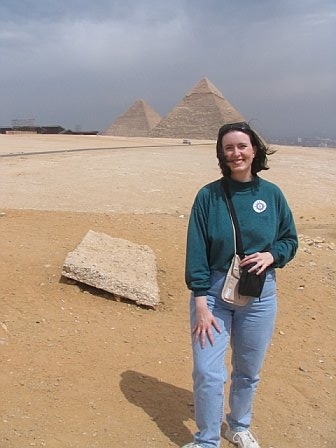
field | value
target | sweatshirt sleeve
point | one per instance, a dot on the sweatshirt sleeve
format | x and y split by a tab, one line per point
286	244
197	271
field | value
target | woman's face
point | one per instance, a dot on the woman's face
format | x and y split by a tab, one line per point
239	154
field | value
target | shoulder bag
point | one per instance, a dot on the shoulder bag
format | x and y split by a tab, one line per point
240	285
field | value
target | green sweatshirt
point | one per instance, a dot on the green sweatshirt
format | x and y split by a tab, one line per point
265	220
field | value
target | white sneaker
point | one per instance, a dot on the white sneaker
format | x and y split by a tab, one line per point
244	439
192	445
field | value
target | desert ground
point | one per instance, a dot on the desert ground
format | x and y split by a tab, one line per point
82	370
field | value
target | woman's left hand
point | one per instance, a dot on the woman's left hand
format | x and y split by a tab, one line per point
260	260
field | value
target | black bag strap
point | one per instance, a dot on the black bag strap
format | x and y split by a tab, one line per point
239	243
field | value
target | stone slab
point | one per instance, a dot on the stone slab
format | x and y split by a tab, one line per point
115	265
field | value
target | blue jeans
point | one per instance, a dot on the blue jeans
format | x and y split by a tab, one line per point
249	329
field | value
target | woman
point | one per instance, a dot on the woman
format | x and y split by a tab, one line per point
270	240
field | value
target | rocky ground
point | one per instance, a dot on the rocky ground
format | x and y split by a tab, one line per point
82	370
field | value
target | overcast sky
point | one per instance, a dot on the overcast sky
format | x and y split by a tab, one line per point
84	62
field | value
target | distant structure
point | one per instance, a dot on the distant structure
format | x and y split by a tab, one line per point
199	115
23	124
27	126
137	121
32	129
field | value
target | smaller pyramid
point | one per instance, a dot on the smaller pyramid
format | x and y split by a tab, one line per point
199	115
137	121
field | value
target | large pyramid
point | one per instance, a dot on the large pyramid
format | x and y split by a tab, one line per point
199	115
137	121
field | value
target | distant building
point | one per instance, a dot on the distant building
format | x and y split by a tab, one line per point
42	130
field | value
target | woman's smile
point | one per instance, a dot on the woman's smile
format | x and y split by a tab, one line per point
239	154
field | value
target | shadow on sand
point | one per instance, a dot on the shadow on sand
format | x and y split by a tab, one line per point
167	405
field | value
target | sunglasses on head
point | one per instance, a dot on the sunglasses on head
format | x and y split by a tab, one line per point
241	126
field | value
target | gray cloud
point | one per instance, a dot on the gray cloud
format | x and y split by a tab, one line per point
84	62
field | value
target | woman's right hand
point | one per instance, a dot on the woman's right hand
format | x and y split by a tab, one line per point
205	320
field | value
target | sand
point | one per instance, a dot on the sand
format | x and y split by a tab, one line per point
79	369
